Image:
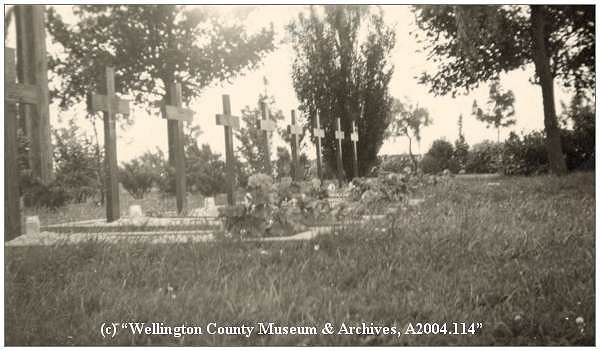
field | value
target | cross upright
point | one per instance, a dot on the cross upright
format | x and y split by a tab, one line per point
354	139
175	115
339	135
319	134
110	105
24	94
32	69
295	132
228	121
266	125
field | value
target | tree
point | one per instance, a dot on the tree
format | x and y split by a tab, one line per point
474	44
500	108
408	121
342	70
251	138
150	46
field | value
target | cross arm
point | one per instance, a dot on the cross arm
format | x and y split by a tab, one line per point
97	102
178	113
228	120
267	125
294	129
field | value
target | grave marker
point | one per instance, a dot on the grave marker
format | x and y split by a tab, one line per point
266	125
295	132
228	122
319	134
175	116
339	135
110	105
32	69
354	139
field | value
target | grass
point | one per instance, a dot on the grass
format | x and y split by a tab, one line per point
472	252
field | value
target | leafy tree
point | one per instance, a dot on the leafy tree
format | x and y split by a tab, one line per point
461	151
150	47
408	121
439	158
251	138
76	166
499	109
474	44
137	177
339	73
283	164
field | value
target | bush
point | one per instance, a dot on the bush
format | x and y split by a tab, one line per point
579	143
484	158
138	177
526	155
396	164
439	157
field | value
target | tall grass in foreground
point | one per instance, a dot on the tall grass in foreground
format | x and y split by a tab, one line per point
518	256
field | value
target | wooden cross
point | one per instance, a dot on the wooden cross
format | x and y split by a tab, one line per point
295	132
339	135
110	105
32	69
13	93
228	122
319	134
354	139
175	116
266	125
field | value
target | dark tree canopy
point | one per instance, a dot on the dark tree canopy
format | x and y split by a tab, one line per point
341	75
475	43
150	46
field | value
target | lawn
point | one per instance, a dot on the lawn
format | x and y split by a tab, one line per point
515	254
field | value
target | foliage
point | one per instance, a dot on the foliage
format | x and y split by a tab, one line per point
386	188
251	138
339	72
499	108
439	158
579	142
138	177
283	164
76	164
408	121
395	163
525	155
484	158
275	209
150	46
474	44
461	151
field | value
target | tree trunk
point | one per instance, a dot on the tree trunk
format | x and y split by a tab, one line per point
412	157
542	68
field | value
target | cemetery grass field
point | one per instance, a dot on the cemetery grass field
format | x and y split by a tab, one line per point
518	256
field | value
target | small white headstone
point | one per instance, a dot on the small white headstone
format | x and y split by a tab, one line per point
135	211
209	202
32	225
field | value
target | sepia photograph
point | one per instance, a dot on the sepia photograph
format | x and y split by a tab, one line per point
299	175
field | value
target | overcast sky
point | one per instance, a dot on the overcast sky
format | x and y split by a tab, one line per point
149	132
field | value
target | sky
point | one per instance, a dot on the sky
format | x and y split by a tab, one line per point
150	132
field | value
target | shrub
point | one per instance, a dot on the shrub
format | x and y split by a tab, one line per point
396	163
138	177
439	157
484	158
526	155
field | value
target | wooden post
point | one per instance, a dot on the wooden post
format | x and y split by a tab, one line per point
318	133
228	122
32	69
175	116
354	139
110	105
295	131
266	125
339	135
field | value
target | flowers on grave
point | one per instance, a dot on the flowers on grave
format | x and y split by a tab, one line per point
275	209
